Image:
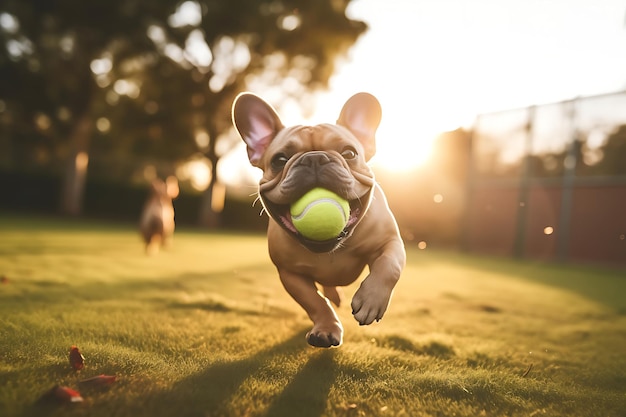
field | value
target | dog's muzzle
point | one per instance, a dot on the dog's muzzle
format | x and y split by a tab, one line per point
310	170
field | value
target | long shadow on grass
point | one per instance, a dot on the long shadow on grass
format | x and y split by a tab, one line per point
237	387
597	283
307	394
158	289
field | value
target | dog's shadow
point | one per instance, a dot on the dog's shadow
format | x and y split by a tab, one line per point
307	394
216	390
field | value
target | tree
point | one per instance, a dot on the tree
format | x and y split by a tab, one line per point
156	77
613	154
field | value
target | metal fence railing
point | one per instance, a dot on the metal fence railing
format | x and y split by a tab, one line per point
549	181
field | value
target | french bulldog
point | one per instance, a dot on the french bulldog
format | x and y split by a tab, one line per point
333	156
156	223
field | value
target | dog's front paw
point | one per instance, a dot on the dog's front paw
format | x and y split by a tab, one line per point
369	304
325	336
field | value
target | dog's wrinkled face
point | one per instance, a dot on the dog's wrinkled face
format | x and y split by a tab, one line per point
296	159
305	157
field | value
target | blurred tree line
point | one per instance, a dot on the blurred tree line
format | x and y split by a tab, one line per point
130	89
604	160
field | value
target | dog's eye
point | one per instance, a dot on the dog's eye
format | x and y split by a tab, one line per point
279	161
349	153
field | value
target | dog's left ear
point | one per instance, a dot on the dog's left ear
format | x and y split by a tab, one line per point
361	115
257	123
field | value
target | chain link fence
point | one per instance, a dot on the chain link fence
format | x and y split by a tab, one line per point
549	182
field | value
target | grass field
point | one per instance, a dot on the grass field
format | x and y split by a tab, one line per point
205	329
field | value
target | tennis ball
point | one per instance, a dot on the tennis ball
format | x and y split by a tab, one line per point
320	214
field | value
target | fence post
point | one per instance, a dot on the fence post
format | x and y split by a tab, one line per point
470	184
567	189
522	208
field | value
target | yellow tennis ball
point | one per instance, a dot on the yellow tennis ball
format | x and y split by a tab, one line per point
320	214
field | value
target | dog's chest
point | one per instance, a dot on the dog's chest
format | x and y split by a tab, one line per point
332	269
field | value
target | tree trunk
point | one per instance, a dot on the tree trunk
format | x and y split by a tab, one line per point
212	202
73	187
209	217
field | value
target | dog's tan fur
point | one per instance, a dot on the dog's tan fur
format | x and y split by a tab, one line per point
156	224
293	161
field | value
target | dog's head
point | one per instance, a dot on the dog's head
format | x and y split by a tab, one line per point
296	159
165	190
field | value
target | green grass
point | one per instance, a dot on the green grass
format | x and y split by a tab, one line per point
205	329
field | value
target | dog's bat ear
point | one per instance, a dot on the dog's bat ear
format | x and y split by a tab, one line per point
361	115
257	123
171	184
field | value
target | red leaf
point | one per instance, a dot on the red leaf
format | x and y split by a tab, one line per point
77	360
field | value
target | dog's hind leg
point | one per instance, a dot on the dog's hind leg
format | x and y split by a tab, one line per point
333	294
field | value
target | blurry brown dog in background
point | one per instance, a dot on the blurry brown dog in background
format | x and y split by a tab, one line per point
157	219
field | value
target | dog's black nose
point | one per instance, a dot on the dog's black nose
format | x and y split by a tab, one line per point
314	158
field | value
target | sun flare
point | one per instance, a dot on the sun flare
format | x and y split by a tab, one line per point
400	149
406	136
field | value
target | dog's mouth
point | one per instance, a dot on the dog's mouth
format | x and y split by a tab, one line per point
281	214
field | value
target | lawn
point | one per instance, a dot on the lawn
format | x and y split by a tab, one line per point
205	329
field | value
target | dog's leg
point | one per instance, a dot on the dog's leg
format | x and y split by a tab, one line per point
372	298
153	244
333	294
327	330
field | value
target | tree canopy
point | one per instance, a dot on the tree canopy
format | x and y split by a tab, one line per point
132	83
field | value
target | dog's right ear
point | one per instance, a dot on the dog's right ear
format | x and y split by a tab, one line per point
171	185
361	115
257	123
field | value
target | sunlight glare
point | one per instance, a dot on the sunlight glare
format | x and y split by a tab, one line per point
188	13
406	136
197	171
236	173
398	150
433	66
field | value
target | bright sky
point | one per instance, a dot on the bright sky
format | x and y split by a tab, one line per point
435	64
